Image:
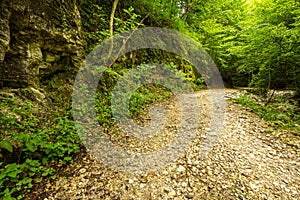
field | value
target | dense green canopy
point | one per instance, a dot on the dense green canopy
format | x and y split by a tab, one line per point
253	43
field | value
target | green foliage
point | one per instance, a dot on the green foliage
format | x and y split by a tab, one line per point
31	146
252	42
95	22
146	96
142	98
96	18
217	26
5	144
139	101
21	176
280	113
268	51
160	13
130	23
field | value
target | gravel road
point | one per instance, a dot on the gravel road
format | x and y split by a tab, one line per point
248	161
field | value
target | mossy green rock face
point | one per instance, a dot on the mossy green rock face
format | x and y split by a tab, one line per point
38	39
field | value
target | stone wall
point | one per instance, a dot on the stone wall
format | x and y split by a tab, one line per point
38	38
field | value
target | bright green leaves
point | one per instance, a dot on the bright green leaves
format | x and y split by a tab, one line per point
269	52
253	43
5	144
31	147
15	176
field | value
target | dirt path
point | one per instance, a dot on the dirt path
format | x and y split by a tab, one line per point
247	162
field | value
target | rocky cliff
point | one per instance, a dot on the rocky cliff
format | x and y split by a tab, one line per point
38	40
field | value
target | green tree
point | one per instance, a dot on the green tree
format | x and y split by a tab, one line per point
270	51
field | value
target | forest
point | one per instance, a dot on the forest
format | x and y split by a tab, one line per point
253	43
45	154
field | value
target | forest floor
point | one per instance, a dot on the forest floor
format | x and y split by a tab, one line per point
248	161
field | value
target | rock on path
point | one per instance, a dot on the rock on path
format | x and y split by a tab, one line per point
247	162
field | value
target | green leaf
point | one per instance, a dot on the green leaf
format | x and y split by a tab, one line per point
31	146
53	177
7	195
11	167
5	144
13	174
44	160
38	180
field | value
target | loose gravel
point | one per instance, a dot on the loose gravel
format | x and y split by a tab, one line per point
248	161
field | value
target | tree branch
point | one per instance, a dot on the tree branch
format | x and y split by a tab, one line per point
111	26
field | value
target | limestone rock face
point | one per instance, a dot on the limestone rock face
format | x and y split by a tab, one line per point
38	39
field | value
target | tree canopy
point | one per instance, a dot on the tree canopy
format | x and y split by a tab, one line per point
253	42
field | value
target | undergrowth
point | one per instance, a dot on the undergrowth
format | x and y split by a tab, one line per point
142	97
280	113
33	145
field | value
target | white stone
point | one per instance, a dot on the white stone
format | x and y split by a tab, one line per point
181	169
